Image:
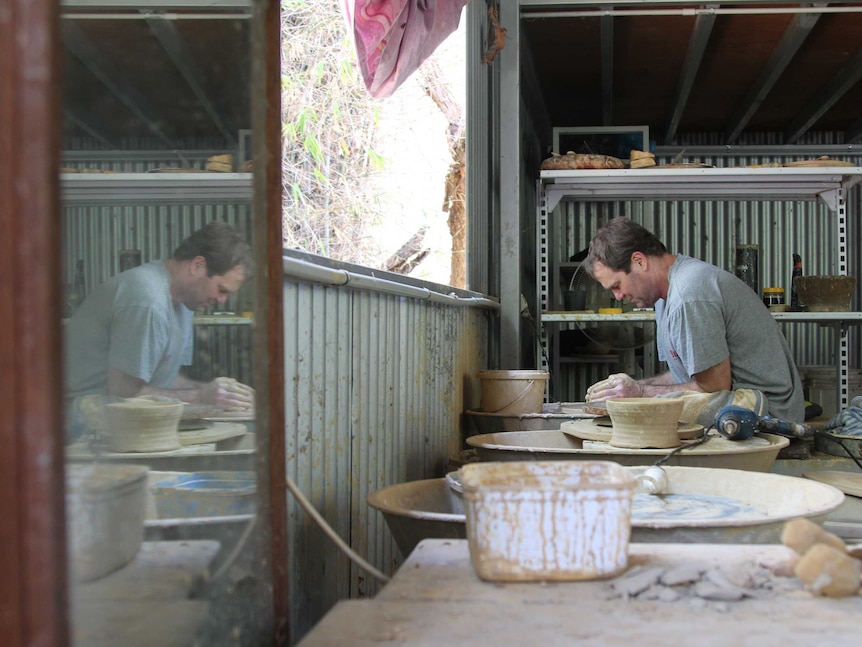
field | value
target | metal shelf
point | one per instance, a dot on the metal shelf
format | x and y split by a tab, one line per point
559	316
222	320
734	183
790	317
154	188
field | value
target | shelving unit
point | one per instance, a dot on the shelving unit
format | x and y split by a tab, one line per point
827	184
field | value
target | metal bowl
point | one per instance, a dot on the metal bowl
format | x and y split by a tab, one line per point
726	506
756	454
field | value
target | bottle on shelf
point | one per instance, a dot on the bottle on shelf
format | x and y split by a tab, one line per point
797	271
79	287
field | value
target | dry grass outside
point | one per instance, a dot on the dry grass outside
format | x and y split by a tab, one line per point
338	176
327	136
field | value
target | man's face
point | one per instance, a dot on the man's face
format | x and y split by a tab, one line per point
212	290
635	287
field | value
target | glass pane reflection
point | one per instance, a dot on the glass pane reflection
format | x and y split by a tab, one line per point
160	419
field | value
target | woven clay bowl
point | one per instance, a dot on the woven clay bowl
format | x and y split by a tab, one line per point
141	425
639	423
825	293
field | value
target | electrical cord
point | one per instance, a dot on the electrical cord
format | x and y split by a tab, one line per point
695	443
552	389
238	546
329	532
843	446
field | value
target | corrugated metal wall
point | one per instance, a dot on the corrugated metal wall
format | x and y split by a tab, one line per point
376	385
711	231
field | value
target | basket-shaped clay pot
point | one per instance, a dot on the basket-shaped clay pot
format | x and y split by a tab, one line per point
825	293
142	425
640	423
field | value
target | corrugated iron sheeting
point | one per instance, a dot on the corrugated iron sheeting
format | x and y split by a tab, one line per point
711	230
376	385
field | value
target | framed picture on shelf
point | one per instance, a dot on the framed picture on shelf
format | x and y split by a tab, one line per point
616	141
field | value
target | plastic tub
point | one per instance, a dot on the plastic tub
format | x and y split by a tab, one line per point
513	392
205	494
547	520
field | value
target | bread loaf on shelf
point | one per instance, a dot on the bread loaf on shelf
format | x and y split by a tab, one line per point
641	159
571	161
220	163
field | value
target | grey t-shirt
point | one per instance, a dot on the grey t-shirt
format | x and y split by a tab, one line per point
130	323
710	315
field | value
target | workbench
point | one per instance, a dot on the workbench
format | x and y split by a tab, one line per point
145	603
435	598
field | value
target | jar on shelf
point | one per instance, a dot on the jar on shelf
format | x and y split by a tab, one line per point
773	298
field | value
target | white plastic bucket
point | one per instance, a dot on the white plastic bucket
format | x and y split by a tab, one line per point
547	520
105	508
513	392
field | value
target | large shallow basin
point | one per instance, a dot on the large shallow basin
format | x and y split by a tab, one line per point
706	505
755	454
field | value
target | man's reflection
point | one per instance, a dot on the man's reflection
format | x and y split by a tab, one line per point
133	334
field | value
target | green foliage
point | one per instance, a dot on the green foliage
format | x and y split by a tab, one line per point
328	131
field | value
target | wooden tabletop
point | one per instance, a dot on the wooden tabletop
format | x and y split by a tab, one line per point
146	603
436	599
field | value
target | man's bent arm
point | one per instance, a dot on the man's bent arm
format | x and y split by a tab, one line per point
127	386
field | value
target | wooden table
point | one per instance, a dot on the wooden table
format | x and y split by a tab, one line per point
436	599
146	603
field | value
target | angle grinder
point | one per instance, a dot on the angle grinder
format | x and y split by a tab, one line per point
739	423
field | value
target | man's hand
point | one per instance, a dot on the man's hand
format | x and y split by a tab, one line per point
618	385
227	393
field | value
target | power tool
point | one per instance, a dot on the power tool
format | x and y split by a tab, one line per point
739	423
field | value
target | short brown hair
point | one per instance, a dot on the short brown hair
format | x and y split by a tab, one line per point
222	247
616	241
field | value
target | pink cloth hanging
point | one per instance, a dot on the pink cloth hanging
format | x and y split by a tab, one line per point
394	37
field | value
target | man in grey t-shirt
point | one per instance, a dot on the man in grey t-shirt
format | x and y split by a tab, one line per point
712	329
132	335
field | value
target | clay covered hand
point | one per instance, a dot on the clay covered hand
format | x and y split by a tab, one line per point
228	394
618	385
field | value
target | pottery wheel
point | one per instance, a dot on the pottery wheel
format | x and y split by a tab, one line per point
601	429
214	433
848	482
245	415
716	444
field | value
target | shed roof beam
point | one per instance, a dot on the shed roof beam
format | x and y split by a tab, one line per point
81	122
607	70
99	63
703	25
845	79
789	43
854	132
178	51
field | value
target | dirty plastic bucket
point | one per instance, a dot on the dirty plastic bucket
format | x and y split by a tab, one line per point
547	520
513	392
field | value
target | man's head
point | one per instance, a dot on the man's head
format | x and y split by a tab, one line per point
216	261
628	260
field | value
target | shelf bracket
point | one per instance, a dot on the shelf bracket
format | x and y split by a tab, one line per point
553	197
829	198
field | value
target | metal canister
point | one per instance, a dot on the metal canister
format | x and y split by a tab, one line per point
129	258
746	267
